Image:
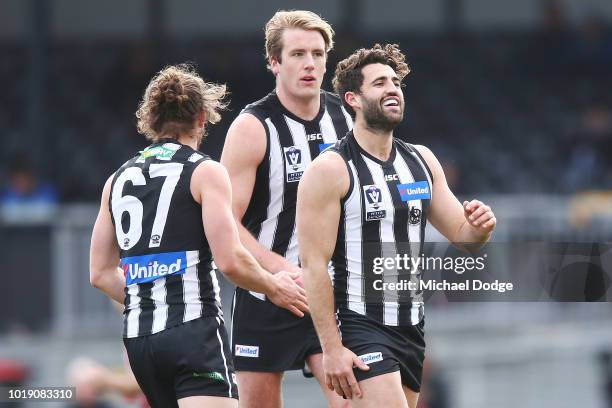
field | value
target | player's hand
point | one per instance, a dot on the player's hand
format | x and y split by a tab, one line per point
479	216
287	294
298	278
339	376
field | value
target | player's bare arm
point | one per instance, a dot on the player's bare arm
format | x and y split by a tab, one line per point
210	186
318	215
473	222
244	150
104	271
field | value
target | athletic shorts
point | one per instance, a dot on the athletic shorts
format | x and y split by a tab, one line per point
385	349
267	338
191	359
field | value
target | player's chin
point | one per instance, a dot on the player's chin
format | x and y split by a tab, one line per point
308	88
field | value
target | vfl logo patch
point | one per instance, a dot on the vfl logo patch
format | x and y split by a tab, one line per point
371	357
147	268
247	351
293	164
414	191
324	146
374	203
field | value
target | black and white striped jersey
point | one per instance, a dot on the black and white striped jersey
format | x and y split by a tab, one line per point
292	143
383	216
164	253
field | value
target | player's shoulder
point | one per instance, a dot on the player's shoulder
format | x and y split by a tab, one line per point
423	151
209	171
342	148
330	164
425	154
262	108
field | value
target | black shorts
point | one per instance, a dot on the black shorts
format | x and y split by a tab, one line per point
267	338
385	349
191	359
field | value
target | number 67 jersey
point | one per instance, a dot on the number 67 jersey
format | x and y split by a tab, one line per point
164	253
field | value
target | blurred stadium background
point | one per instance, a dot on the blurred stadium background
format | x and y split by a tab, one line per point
513	96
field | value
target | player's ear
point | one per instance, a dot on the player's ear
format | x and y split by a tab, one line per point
274	65
352	100
201	119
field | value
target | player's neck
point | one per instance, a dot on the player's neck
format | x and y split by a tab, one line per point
190	141
377	143
303	108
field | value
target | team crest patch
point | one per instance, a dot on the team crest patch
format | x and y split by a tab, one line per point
375	208
294	166
415	216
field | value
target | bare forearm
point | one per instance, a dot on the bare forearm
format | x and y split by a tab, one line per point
246	273
112	283
470	237
268	259
321	302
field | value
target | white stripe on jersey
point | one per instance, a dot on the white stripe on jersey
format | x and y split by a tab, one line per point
414	231
276	178
217	290
328	130
298	134
352	234
191	288
133	311
160	314
349	120
227	376
387	238
429	180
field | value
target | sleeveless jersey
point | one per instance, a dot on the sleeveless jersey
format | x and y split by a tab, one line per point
164	253
292	143
383	217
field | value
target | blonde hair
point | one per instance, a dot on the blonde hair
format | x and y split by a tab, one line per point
173	100
306	20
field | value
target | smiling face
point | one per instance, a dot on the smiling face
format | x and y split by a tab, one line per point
380	102
299	73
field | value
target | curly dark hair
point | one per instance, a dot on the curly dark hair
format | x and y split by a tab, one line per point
349	76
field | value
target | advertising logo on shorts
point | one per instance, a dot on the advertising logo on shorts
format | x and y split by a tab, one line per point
373	203
293	163
246	351
371	357
147	268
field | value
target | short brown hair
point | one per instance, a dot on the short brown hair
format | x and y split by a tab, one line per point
174	98
349	75
306	20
